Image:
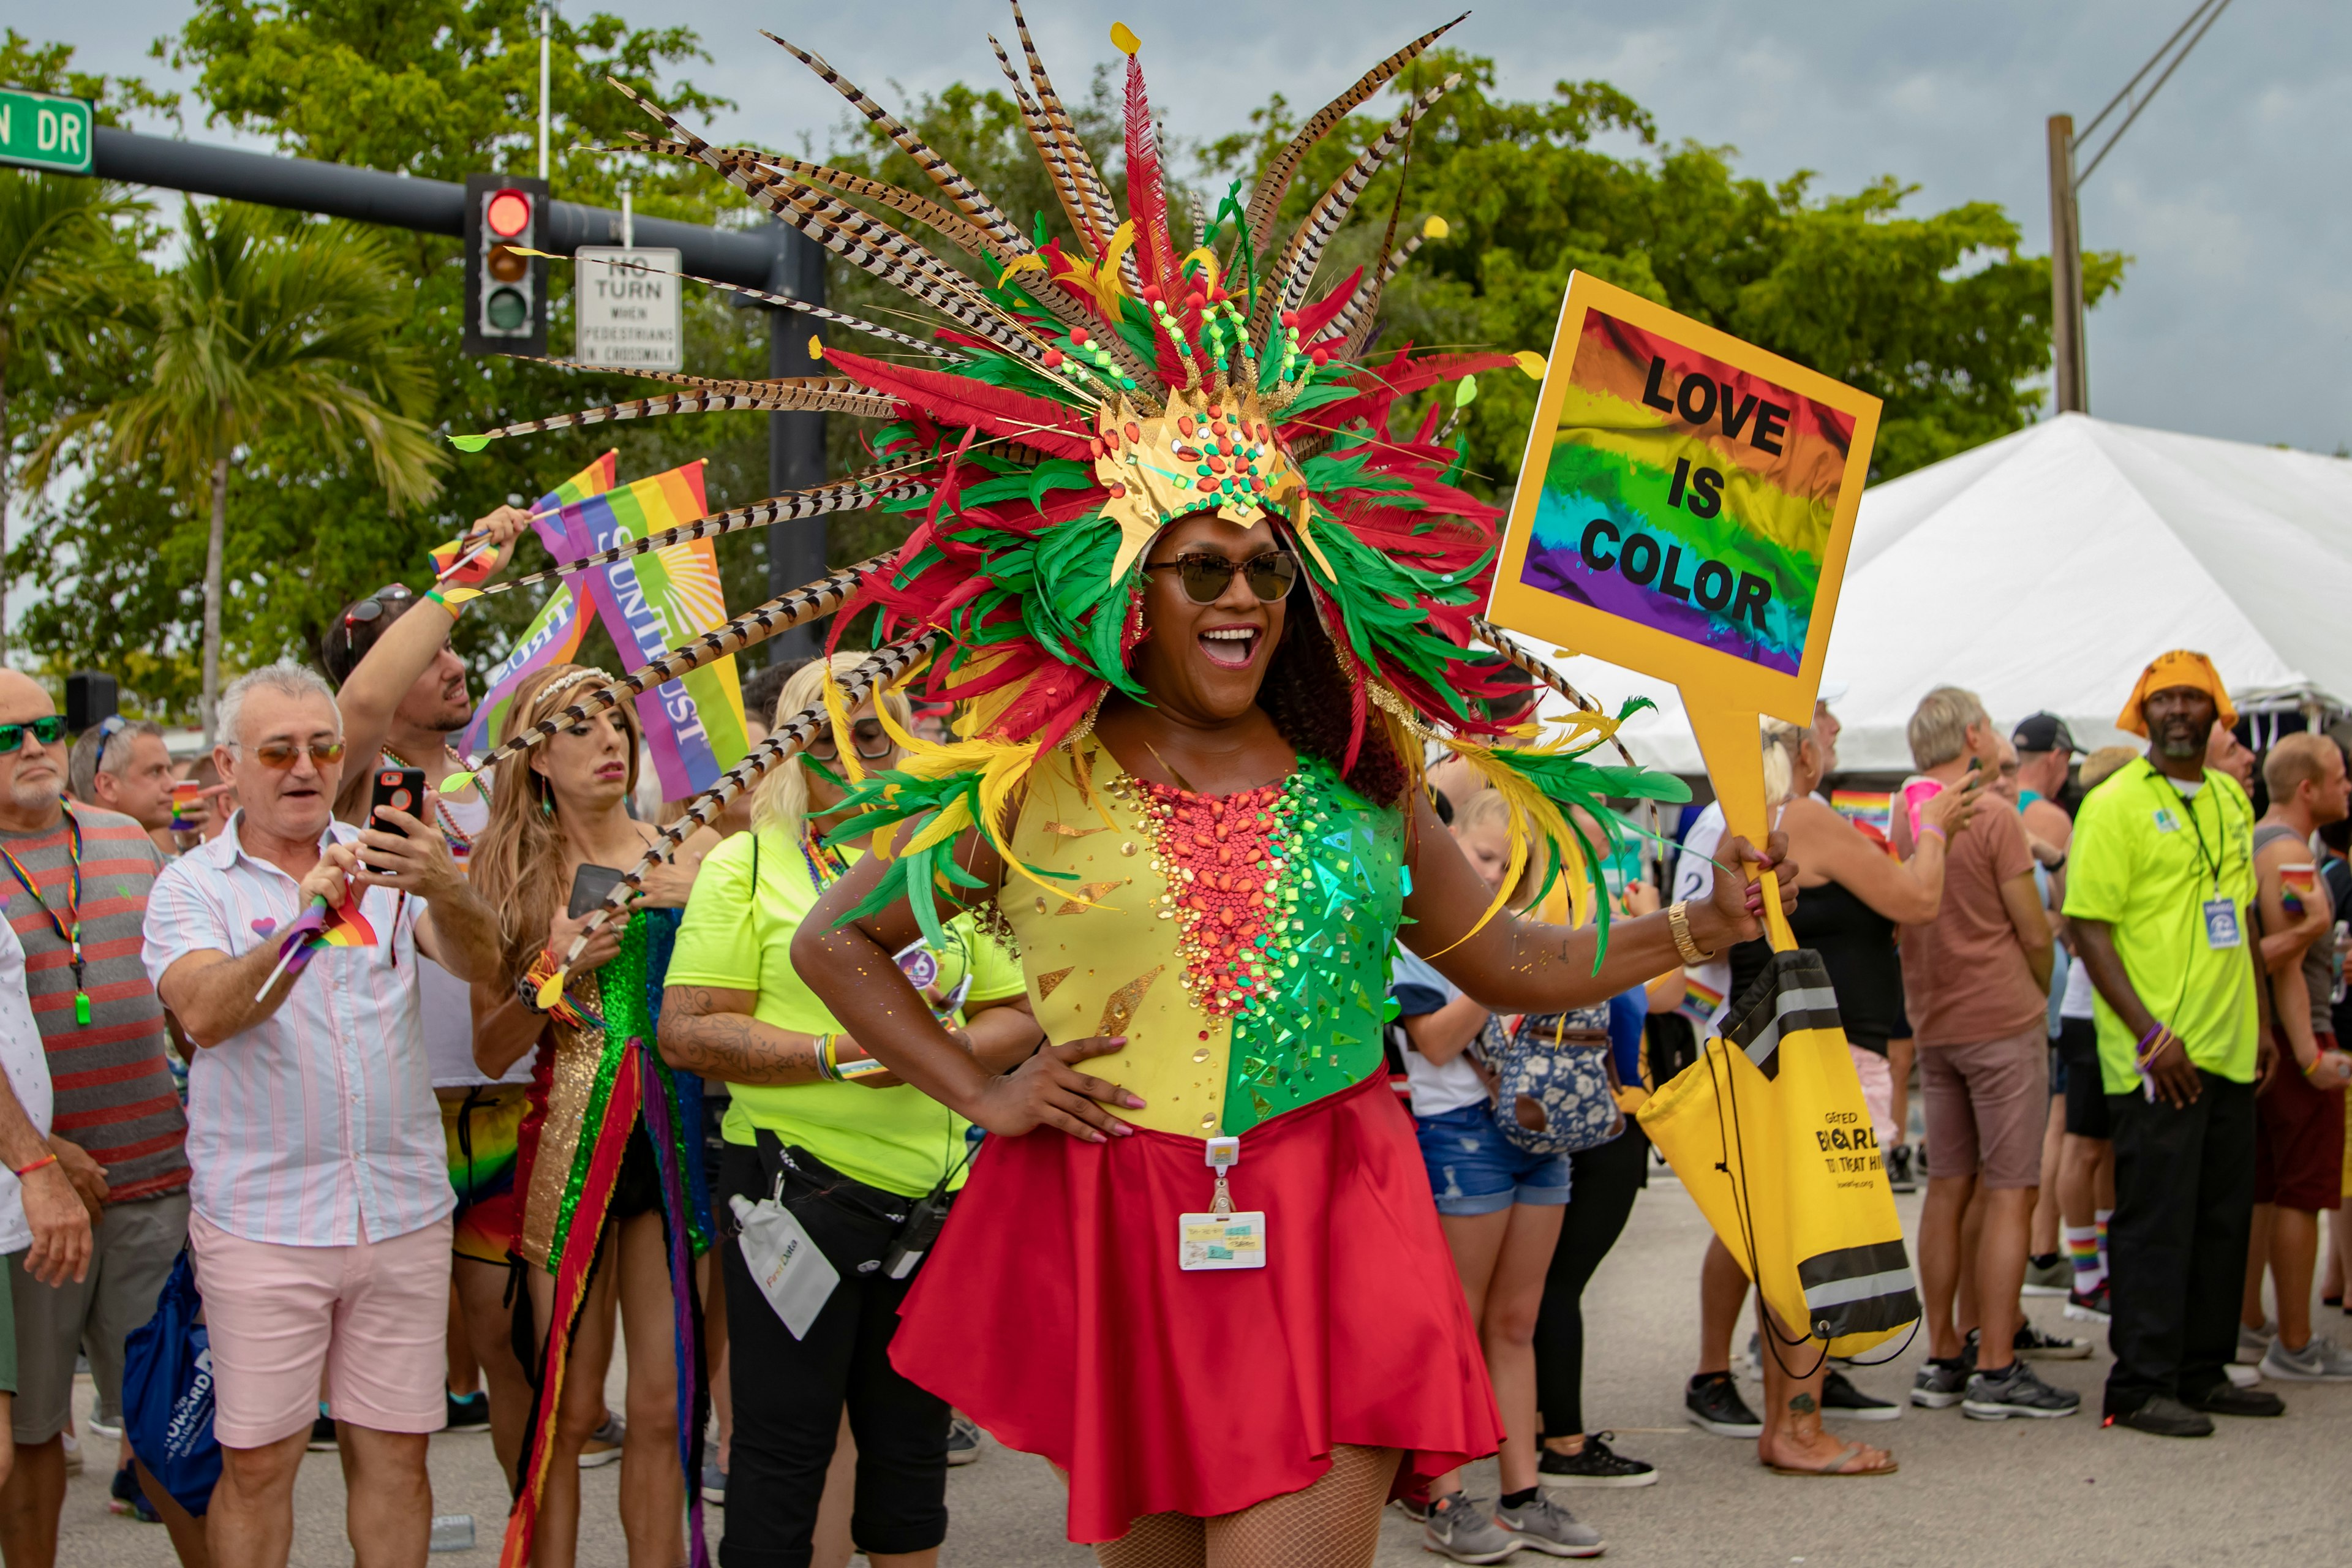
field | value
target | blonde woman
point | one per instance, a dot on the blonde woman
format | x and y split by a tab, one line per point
849	1150
601	1197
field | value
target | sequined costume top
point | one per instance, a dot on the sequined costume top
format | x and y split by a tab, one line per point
1241	943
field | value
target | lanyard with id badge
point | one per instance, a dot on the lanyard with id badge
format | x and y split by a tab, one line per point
2222	928
1223	1237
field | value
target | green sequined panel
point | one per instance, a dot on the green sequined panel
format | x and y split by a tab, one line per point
1341	879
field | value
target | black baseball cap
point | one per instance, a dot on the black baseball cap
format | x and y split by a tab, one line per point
2045	732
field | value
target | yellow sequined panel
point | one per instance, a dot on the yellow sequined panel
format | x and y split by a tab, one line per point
1100	949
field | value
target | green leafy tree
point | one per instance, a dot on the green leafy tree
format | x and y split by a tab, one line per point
266	327
1941	316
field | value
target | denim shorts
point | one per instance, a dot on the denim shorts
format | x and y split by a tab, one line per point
1473	1169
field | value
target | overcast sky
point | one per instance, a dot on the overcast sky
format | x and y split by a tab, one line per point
2228	193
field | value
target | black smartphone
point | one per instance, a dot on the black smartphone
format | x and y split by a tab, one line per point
403	789
591	885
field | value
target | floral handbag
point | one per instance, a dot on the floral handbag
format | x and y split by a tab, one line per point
1556	1082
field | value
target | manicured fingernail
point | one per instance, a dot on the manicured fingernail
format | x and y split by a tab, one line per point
1134	1102
1122	1129
1095	1137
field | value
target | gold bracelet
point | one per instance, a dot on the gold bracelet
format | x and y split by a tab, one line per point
1678	923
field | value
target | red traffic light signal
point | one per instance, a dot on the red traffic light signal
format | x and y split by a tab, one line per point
507	213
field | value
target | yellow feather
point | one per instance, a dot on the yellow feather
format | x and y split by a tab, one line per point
837	711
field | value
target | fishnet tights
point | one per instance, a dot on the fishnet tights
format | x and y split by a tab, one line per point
1334	1523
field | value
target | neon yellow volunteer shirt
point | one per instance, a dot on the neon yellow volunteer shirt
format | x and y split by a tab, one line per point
898	1139
2135	863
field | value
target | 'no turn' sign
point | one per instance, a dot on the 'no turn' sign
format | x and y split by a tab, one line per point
627	304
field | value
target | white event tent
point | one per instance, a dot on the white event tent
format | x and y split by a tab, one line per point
2045	569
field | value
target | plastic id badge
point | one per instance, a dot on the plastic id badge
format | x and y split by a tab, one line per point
2222	928
791	1271
1220	1240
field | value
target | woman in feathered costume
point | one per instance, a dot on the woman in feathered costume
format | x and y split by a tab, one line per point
1204	614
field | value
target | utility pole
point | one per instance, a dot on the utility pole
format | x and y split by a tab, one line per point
2070	360
546	13
2067	362
796	551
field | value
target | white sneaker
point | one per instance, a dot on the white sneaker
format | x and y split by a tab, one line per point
2242	1375
2320	1361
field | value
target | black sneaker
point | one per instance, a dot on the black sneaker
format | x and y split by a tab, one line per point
126	1498
2016	1391
2226	1398
1899	1176
1841	1397
2095	1308
1713	1402
2032	1344
1595	1466
2164	1416
964	1440
471	1414
322	1434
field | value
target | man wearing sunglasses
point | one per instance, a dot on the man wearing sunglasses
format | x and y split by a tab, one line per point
321	1224
77	881
402	692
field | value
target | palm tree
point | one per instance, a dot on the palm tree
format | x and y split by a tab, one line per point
269	324
56	263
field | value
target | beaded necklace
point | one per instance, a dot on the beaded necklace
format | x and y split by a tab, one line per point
461	843
825	863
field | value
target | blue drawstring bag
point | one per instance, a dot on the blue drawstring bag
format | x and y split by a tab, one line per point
167	1394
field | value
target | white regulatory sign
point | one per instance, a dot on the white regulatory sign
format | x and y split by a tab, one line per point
626	303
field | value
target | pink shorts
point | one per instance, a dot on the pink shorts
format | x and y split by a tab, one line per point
374	1318
1877	1094
1986	1107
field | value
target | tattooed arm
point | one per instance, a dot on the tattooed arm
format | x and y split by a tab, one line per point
709	1030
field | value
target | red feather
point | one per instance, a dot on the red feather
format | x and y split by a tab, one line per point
1147	202
960	400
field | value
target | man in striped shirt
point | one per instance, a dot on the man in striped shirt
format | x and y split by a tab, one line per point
74	883
322	1207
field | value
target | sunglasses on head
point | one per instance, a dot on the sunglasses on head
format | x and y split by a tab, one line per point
374	607
48	730
1205	576
872	741
281	755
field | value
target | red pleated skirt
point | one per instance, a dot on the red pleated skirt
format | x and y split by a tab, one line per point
1052	1312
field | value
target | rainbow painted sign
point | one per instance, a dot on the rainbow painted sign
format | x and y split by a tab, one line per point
1685	502
1684	510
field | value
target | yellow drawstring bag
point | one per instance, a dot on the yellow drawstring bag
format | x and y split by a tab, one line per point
1769	1133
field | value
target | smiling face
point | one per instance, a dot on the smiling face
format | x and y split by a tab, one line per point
587	767
1204	663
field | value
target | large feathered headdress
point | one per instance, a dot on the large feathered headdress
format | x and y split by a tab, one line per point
1086	392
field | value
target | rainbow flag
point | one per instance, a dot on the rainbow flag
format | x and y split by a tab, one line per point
322	926
553	635
1688	496
694	725
1874	808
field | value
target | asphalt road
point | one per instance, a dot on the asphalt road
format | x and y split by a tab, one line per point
2063	1493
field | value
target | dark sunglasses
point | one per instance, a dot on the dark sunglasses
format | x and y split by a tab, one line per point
872	743
48	731
1205	576
374	606
281	755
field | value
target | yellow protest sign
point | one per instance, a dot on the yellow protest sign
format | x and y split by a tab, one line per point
1684	510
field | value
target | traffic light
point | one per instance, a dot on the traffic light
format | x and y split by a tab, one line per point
506	291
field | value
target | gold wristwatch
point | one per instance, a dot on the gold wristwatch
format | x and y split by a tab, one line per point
1678	923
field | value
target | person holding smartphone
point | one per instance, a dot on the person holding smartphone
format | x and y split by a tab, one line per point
598	1198
848	1150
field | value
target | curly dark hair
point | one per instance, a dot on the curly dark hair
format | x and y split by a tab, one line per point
1308	697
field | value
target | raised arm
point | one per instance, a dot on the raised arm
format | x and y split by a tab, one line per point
382	676
1513	965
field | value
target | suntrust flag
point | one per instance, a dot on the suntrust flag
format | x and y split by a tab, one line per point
651	603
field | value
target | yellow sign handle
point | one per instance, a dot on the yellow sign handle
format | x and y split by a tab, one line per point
1733	748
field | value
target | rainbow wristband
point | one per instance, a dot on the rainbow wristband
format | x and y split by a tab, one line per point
1927	828
28	1169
